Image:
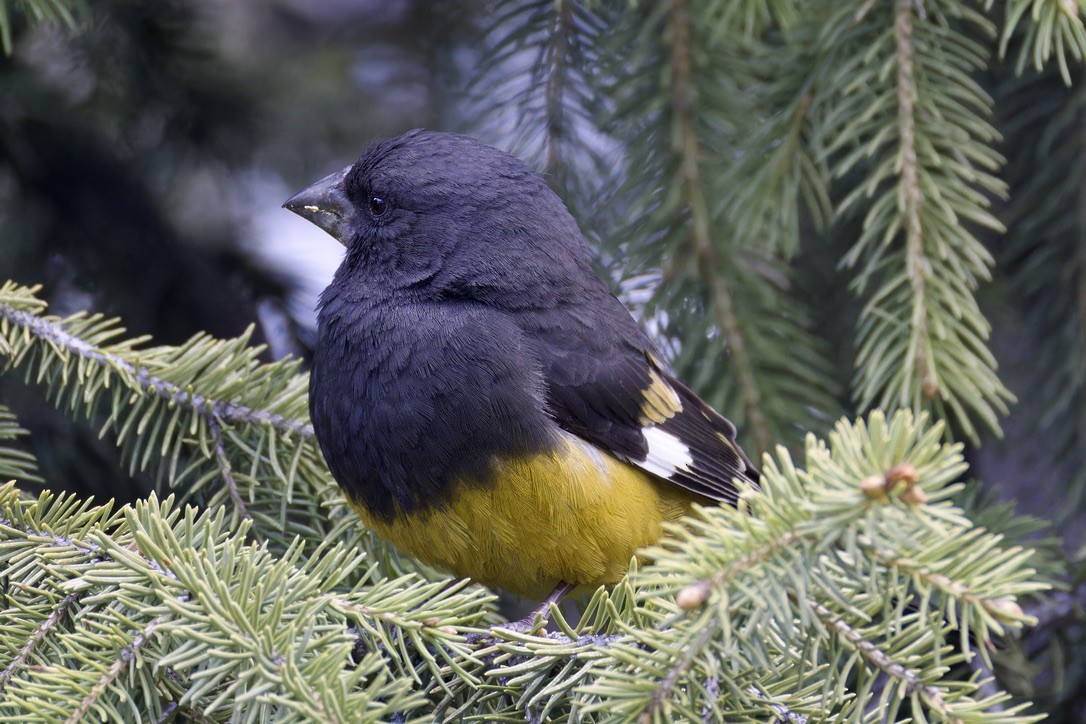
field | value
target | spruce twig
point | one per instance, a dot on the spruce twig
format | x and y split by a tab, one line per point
880	660
912	198
226	471
44	629
704	249
228	411
125	658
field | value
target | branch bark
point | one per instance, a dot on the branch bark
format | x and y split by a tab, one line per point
705	251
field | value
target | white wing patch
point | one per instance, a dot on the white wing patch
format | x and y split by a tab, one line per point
667	454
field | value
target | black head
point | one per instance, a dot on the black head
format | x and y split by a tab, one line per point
449	217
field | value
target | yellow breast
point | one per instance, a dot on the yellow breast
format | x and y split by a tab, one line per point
575	514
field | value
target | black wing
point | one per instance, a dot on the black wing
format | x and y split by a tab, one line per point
618	397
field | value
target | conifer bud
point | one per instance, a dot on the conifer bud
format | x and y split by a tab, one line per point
874	486
693	596
914	496
1006	610
901	473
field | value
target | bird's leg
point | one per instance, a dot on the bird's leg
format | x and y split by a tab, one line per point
543	610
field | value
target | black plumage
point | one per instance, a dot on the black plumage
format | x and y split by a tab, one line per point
466	325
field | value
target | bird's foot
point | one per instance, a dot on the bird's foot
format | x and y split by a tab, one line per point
537	620
530	624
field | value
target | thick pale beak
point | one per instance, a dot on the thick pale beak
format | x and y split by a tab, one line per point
325	203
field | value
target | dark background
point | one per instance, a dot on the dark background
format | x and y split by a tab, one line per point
144	158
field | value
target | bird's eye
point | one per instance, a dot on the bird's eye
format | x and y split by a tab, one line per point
378	205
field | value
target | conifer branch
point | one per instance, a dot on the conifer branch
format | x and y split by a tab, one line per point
915	126
1053	27
552	103
226	471
675	673
14	463
44	629
782	714
38	11
207	413
1000	609
169	559
124	659
881	661
299	618
696	593
912	197
52	333
387	616
705	251
558	49
92	550
702	221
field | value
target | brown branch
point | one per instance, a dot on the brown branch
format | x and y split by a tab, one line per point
882	661
1002	609
555	87
127	654
695	594
783	713
48	625
364	611
659	697
705	251
226	470
54	334
911	198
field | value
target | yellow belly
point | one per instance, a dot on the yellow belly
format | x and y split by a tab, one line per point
575	515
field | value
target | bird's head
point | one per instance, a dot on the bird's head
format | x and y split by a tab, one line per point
450	216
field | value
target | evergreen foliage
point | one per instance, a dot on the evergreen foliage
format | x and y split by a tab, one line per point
38	11
697	94
737	163
921	339
14	463
851	582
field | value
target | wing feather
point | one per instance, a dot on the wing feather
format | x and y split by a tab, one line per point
626	404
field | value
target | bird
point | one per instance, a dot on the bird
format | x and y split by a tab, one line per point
483	399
